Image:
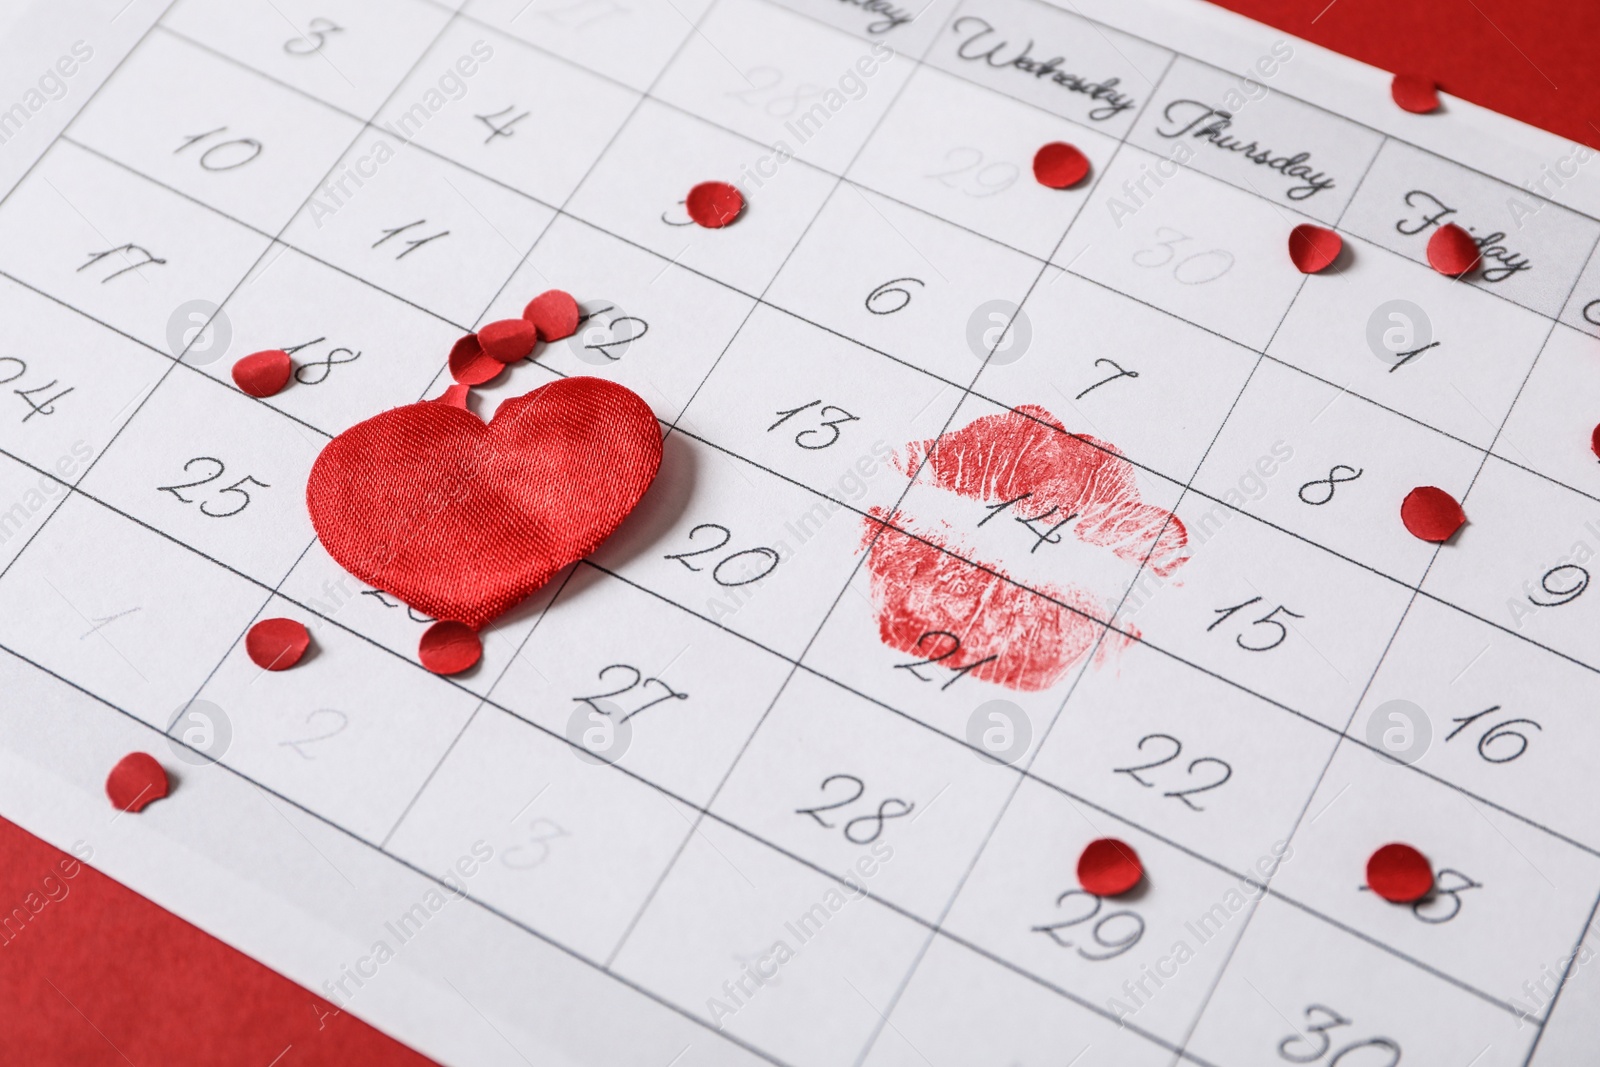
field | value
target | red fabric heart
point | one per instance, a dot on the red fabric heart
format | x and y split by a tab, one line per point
462	519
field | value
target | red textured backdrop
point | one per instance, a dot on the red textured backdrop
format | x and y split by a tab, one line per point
1530	59
103	976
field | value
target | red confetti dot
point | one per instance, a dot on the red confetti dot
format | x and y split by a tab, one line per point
1109	867
1431	514
554	314
1452	251
135	781
714	204
1399	873
449	647
468	364
1594	441
508	340
1414	93
1313	248
1059	165
263	373
277	644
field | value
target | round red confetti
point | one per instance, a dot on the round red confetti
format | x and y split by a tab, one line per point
1109	867
1059	165
135	781
1594	441
554	314
1414	93
714	204
1452	251
263	373
449	647
1431	514
508	340
468	364
1313	248
1399	873
277	644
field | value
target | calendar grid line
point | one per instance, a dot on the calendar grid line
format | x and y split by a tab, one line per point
1566	975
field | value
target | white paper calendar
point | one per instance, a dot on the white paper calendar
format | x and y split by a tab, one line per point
993	519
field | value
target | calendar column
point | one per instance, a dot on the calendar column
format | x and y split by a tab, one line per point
1433	757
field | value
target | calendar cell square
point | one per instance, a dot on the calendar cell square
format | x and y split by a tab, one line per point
940	683
1038	505
962	1008
1298	985
1521	560
1551	426
216	470
647	324
1489	711
1120	371
958	151
736	546
418	227
27	500
350	54
761	947
662	694
1285	619
818	409
644	203
1081	70
830	777
121	611
568	848
65	231
785	81
1507	898
215	131
903	282
1413	341
71	382
356	350
1154	230
521	117
351	732
1530	257
1185	755
1233	127
1023	904
1307	441
627	42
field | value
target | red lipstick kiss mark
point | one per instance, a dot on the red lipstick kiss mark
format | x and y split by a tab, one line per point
970	617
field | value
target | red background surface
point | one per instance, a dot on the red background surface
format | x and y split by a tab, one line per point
103	976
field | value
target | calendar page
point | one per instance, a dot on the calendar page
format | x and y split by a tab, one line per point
993	519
